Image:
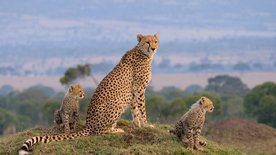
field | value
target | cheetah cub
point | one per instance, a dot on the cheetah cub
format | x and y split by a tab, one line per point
68	114
188	128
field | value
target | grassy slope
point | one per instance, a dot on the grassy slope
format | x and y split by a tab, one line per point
133	141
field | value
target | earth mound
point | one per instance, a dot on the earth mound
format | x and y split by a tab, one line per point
248	136
155	140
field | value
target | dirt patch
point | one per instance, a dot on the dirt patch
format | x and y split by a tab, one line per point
137	135
248	136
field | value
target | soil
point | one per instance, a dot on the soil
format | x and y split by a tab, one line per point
248	136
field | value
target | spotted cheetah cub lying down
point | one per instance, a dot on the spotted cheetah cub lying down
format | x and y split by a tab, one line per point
188	128
68	114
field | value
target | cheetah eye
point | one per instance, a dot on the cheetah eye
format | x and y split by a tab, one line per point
148	42
155	41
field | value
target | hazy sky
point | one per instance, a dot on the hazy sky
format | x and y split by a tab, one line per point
45	37
31	22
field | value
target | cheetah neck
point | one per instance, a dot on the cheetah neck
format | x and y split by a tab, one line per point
71	96
142	54
196	106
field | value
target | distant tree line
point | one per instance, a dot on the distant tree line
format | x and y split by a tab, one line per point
165	66
231	98
260	103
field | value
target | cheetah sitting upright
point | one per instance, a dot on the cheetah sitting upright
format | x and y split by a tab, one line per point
125	85
68	114
188	128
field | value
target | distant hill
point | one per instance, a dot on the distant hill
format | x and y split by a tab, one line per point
133	141
250	137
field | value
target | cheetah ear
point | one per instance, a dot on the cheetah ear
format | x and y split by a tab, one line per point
156	35
139	37
202	100
71	88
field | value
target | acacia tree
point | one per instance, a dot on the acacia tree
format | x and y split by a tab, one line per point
225	84
72	74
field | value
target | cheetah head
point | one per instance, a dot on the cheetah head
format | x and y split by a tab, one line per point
148	44
77	91
207	104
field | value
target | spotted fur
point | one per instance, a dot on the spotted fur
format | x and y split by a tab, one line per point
125	85
188	128
68	114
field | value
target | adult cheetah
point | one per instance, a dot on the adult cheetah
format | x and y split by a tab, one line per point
125	85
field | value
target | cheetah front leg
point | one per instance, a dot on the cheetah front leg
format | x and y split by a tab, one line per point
196	139
135	112
66	123
142	110
114	129
76	122
189	133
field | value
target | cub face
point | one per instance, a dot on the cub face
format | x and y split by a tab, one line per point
77	91
148	44
207	104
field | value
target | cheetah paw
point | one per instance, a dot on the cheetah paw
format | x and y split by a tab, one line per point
118	130
190	149
136	125
199	148
151	126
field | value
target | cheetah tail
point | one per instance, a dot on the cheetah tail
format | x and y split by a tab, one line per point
172	131
25	149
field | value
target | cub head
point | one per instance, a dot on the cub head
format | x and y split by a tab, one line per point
77	91
207	104
148	44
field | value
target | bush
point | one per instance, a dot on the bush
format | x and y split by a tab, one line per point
260	103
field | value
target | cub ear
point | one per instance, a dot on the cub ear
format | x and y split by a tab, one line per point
202	100
156	35
71	88
139	37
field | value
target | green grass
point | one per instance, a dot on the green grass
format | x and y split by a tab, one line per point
134	141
